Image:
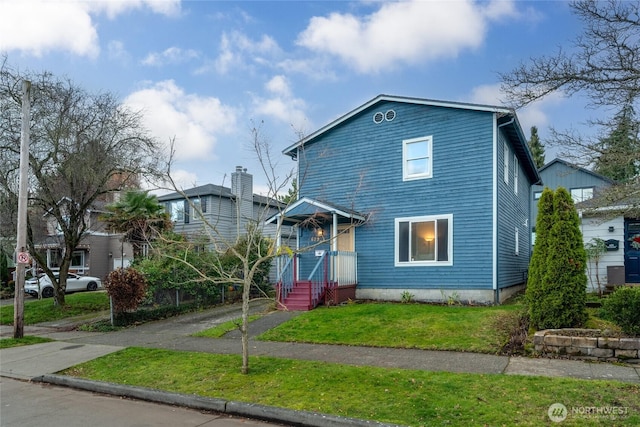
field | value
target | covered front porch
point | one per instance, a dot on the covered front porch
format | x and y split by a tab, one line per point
323	268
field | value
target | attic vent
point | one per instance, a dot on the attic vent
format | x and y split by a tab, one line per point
390	115
378	117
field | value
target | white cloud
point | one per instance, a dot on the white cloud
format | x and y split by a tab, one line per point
194	121
402	32
37	27
113	8
486	94
172	55
533	114
239	51
281	104
117	52
279	85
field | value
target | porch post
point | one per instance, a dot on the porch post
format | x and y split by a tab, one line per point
334	233
279	232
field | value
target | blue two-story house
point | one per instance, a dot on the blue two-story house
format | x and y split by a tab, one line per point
416	198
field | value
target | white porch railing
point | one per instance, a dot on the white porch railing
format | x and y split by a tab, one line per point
344	268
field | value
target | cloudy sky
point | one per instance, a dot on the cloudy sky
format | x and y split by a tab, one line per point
206	72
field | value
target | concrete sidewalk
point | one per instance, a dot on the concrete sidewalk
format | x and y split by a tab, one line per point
72	347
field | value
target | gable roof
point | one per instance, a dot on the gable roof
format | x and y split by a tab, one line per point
507	119
576	167
306	207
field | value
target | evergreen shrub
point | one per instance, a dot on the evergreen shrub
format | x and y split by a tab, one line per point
622	307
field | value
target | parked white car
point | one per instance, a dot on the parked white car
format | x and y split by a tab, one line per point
75	283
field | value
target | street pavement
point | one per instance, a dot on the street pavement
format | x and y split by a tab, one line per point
28	404
40	362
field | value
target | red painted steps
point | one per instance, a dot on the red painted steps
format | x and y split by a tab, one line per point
298	298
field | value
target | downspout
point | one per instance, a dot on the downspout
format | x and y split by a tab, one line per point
496	260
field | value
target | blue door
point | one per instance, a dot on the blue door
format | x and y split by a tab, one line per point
632	251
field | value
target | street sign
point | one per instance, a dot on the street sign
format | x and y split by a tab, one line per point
23	258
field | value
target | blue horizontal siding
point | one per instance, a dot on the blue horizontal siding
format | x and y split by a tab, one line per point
513	212
359	165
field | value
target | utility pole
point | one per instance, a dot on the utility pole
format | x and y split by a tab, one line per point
22	256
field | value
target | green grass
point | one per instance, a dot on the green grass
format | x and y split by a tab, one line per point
44	310
26	340
434	327
406	397
221	329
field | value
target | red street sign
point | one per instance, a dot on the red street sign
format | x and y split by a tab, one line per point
23	258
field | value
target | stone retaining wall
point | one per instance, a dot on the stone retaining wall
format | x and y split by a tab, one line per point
587	344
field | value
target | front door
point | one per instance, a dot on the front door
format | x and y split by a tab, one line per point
632	251
346	242
343	264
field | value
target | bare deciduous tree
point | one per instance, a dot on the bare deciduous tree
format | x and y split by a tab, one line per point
83	147
603	64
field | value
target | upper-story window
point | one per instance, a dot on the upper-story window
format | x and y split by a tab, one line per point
506	156
417	158
176	210
581	194
199	207
516	170
424	240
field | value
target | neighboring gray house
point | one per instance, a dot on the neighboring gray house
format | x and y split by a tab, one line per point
99	252
621	262
217	215
581	183
433	197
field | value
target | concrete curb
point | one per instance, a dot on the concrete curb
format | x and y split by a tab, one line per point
249	410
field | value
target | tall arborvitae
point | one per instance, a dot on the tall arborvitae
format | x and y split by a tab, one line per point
562	300
536	147
539	258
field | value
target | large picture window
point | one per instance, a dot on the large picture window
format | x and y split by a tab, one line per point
424	240
417	158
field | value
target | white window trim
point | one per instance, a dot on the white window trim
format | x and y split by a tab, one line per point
516	170
429	174
517	240
506	156
426	218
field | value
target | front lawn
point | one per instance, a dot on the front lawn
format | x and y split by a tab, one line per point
44	310
406	397
482	329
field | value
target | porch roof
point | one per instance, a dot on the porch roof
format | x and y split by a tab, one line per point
306	208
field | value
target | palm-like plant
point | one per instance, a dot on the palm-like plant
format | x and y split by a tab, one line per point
139	216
